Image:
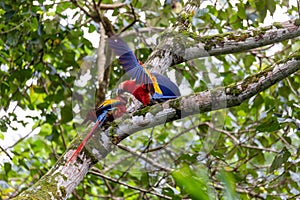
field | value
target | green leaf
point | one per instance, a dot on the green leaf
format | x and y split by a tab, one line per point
248	60
241	11
66	114
280	159
42	106
2	12
271	6
7	167
260	5
54	135
229	185
196	186
51	118
268	125
39	90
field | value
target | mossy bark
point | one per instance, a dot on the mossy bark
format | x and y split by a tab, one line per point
187	45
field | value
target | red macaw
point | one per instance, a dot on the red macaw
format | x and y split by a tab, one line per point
146	86
107	111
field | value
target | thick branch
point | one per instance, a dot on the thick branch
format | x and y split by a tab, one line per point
175	48
222	97
103	61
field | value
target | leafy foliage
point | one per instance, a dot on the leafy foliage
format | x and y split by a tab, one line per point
255	150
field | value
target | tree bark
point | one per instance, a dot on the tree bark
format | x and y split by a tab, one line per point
177	47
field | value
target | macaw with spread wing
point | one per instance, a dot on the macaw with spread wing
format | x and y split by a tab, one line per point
146	86
107	111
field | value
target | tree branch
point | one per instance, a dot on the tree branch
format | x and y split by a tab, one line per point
111	6
98	173
175	48
222	97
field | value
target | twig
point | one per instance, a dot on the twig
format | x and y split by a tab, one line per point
298	5
292	88
101	60
239	190
133	22
171	140
3	150
259	148
234	139
96	9
16	27
83	9
294	150
111	166
22	138
62	136
140	155
98	173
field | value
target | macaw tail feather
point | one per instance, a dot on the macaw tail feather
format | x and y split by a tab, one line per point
99	122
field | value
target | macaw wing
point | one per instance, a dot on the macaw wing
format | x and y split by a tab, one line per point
107	105
168	88
109	102
128	61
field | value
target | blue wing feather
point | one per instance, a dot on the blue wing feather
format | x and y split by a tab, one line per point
102	117
168	88
104	109
128	60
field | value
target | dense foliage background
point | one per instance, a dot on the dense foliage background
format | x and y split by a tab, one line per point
253	153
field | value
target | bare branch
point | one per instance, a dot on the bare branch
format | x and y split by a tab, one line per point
111	6
142	30
6	153
100	54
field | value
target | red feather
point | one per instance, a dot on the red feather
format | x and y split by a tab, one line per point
82	144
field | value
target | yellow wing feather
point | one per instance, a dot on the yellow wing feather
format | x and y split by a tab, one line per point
154	81
108	102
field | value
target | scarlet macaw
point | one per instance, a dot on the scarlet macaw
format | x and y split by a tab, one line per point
146	86
107	111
